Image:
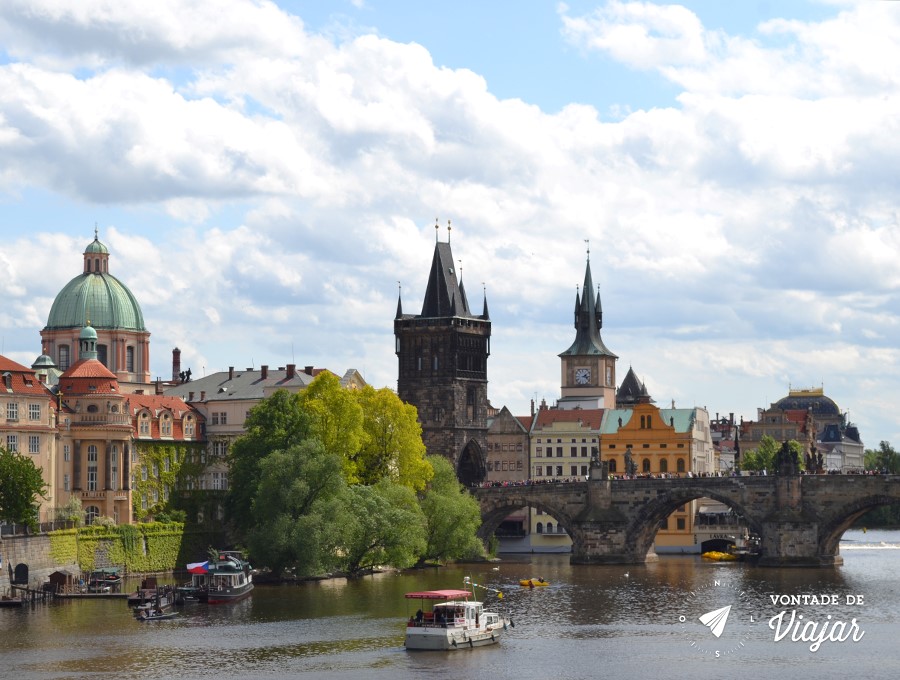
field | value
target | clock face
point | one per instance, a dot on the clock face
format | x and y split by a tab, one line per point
582	376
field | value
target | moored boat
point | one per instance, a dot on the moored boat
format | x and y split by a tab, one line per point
453	620
228	578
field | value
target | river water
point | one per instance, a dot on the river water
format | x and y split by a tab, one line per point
592	621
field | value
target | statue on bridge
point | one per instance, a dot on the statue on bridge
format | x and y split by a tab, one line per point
786	462
630	465
814	463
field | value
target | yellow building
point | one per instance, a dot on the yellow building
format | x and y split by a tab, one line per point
644	440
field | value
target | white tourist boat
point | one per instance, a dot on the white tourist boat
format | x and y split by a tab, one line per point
452	619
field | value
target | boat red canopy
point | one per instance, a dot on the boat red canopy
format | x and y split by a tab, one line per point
439	595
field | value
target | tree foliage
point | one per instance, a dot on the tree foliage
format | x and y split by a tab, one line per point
275	424
452	516
21	484
764	455
336	420
379	525
883	459
392	447
297	497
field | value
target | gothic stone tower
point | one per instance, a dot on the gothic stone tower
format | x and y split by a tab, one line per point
442	356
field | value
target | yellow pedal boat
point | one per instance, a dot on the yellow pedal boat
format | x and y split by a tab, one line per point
533	582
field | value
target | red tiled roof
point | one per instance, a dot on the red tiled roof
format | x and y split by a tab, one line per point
590	417
88	368
23	380
525	420
157	404
7	364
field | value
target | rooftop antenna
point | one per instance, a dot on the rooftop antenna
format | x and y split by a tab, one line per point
436	227
448	231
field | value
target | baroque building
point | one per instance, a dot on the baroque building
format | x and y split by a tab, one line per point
98	299
442	368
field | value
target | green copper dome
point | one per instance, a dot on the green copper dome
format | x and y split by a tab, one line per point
99	299
96	247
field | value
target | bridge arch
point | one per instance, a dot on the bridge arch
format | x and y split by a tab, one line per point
641	531
491	518
843	518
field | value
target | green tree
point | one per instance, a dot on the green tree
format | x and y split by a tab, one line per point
275	424
297	498
21	484
884	459
379	525
764	456
452	516
392	447
336	420
71	511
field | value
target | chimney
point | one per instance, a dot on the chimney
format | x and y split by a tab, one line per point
308	370
231	372
264	370
176	364
291	371
190	396
158	385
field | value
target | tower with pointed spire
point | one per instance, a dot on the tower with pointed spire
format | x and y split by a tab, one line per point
442	357
588	367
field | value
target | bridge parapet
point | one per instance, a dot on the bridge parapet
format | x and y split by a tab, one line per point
799	518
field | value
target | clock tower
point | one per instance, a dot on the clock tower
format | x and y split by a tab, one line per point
588	367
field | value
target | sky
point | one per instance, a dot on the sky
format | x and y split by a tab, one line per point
268	175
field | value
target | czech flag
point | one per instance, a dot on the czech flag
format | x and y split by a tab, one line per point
198	567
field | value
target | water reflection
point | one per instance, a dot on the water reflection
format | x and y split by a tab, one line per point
591	620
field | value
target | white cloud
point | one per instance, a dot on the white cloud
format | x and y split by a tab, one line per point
296	180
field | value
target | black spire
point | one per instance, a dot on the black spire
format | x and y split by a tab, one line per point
587	321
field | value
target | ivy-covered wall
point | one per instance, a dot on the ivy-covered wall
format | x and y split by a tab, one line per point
137	548
159	471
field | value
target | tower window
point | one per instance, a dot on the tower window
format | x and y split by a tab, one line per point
63	357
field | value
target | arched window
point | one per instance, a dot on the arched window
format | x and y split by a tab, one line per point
663	465
165	425
91	513
645	465
679	465
549	527
92	408
144	427
540	527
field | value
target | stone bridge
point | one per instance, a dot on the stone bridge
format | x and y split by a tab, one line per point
799	518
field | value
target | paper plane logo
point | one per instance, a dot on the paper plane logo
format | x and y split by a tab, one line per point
716	619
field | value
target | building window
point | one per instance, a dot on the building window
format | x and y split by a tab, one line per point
92	468
679	465
155	470
63	357
67	453
91	513
143	501
12	410
223	418
573	470
144	472
539	471
573	451
663	465
540	527
549	527
12	443
34	443
114	468
34	411
559	470
188	427
129	359
165	426
67	483
145	425
612	466
584	452
679	522
584	470
645	465
166	464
